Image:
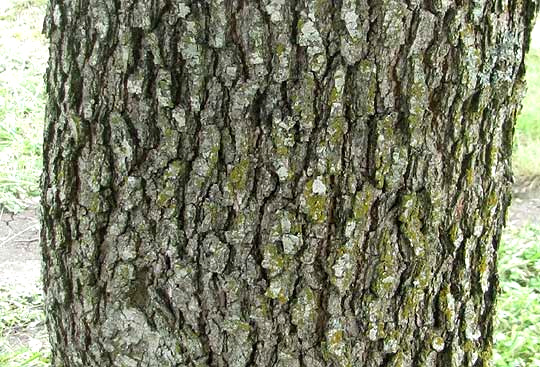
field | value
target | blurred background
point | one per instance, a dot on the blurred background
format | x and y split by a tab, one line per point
23	338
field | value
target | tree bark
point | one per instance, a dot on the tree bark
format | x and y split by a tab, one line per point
277	183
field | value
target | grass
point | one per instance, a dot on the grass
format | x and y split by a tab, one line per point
517	336
527	134
23	339
22	64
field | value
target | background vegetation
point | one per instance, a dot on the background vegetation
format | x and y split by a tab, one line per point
23	55
526	159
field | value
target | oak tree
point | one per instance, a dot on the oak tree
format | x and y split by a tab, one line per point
277	183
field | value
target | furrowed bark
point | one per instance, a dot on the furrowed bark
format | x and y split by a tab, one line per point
277	183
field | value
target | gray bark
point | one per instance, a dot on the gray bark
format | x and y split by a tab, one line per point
277	183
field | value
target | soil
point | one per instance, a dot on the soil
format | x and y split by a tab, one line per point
20	259
525	209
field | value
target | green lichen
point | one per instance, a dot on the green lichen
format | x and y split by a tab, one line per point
124	273
316	208
277	290
411	222
483	266
386	277
304	312
94	204
468	346
214	156
437	343
423	272
334	96
367	85
487	355
280	49
336	337
278	264
410	304
391	341
263	309
336	345
455	234
239	176
273	259
337	130
386	143
447	307
280	144
384	285
362	203
417	92
240	329
400	359
344	269
493	153
491	201
316	203
164	85
324	351
459	150
469	176
176	169
300	23
289	224
165	196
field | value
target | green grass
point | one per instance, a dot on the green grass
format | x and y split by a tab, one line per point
517	336
527	135
23	339
22	64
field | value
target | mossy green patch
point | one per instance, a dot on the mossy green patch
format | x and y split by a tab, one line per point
280	49
273	259
362	203
337	126
334	96
239	175
316	204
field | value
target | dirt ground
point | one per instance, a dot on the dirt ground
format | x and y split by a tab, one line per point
20	264
20	261
525	209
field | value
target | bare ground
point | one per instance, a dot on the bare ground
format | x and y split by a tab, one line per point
525	209
20	261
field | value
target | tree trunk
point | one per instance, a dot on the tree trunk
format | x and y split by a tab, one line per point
277	183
